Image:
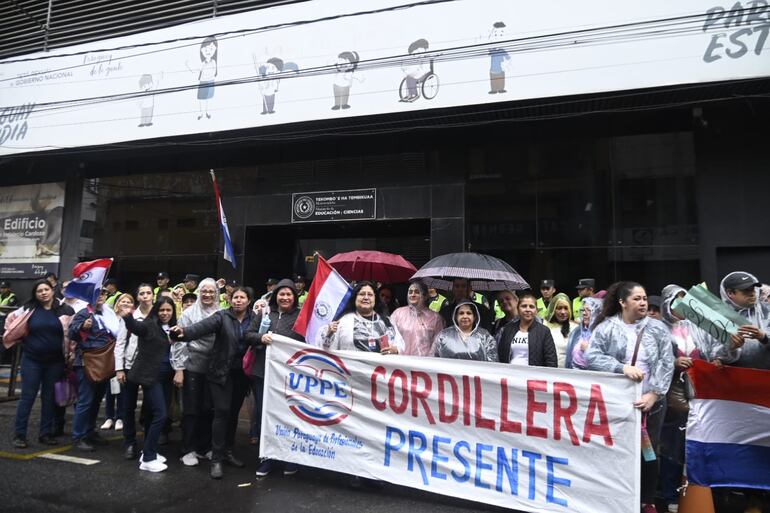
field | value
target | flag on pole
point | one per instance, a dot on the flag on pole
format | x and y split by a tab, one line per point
728	441
325	300
88	278
229	253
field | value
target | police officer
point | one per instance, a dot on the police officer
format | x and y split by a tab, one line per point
585	288
269	285
190	283
7	298
547	291
436	300
162	280
299	284
111	286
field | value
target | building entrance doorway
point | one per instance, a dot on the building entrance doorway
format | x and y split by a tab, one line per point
283	251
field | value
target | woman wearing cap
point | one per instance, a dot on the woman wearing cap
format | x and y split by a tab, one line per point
626	341
558	319
417	323
465	340
44	350
525	341
277	318
363	325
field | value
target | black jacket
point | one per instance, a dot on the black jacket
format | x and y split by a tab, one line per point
227	330
542	351
280	324
151	348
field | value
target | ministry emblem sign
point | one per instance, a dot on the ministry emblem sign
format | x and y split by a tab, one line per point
350	205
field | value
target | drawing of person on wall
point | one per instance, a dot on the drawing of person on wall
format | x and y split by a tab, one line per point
147	84
414	69
207	73
269	82
346	65
499	59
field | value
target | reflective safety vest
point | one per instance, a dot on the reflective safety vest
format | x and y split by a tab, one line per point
9	300
577	309
437	303
110	301
223	302
479	299
302	297
156	292
499	314
542	308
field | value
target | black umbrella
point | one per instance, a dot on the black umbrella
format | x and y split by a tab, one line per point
483	271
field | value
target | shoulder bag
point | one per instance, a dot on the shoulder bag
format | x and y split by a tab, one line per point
99	364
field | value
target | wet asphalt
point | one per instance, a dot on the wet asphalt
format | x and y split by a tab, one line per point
32	483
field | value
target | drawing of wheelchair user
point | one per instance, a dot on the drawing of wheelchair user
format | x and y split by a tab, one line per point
419	76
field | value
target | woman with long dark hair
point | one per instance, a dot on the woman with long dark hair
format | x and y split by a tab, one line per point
42	360
525	341
626	341
151	350
363	325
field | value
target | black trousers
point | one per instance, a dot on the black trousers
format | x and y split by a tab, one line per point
221	395
241	386
197	415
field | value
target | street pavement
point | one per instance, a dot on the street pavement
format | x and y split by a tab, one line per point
31	482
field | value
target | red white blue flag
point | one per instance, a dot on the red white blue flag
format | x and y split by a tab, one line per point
728	435
229	254
87	280
324	302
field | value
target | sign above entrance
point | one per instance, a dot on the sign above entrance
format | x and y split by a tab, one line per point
314	207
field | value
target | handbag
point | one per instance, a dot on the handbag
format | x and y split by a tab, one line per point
248	361
99	364
18	329
678	396
66	390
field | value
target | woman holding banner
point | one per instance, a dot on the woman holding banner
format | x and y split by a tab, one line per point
626	341
466	340
363	325
417	323
279	319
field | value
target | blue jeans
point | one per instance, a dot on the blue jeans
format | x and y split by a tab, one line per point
156	410
87	408
37	376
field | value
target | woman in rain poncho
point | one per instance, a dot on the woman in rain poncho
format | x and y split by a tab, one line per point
417	323
579	339
466	340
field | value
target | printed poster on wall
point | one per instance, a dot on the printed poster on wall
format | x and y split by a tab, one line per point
347	58
30	229
527	438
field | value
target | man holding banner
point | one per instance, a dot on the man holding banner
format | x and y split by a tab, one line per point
750	347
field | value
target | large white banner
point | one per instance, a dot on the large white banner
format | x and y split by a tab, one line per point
527	438
329	60
30	229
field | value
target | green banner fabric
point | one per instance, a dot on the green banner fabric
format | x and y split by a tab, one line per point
709	313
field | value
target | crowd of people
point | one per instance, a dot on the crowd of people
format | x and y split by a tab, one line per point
207	339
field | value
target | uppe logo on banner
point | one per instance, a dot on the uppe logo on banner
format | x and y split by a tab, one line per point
317	389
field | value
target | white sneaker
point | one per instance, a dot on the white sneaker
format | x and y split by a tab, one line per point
673	508
206	456
190	459
159	457
153	466
118	425
107	424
